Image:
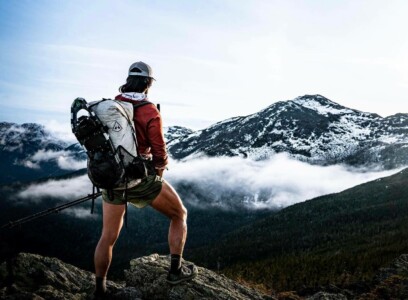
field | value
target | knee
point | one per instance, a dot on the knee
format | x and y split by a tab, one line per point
109	237
181	214
184	214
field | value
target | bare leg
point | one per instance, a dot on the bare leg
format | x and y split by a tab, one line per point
112	224
169	203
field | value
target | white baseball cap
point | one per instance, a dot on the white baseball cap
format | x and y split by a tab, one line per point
141	69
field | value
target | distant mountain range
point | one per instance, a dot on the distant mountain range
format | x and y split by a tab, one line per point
310	128
29	152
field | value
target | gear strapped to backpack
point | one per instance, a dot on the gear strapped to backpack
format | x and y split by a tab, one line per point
109	137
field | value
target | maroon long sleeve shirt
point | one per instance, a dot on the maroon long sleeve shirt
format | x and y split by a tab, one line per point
149	132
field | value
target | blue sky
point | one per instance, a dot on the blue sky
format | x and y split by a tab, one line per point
212	59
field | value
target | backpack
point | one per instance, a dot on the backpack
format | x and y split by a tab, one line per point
109	137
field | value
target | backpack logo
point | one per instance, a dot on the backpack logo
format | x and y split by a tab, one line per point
116	127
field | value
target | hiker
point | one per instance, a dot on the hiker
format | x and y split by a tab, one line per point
153	190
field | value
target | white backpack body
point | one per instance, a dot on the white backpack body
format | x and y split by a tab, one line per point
117	116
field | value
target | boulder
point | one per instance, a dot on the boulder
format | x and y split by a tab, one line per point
149	273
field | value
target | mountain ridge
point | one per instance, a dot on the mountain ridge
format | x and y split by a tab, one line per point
29	151
310	128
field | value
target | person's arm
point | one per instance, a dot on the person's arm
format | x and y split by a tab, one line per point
160	172
157	143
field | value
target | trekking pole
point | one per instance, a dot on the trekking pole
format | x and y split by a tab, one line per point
49	211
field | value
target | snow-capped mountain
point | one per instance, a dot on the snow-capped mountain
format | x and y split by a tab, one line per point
175	132
311	128
29	152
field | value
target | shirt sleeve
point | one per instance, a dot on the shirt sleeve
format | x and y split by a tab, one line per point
156	140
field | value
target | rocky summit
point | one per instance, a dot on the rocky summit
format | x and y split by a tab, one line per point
36	277
31	276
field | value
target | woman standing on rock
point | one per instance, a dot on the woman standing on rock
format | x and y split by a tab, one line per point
152	190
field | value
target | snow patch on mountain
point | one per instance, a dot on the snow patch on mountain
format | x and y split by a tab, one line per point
322	105
20	138
175	132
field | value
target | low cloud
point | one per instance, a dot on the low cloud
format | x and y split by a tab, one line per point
275	183
231	183
67	189
80	212
64	160
69	163
42	155
28	164
59	130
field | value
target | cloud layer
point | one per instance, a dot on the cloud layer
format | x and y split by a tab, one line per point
64	159
67	189
275	183
80	212
233	182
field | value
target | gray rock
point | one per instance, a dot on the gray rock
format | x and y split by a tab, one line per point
398	267
38	277
149	275
327	296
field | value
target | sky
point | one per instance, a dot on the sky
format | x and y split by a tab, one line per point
212	59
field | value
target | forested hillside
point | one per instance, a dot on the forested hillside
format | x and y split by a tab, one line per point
340	238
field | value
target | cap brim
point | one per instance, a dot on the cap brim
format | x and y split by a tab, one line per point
140	74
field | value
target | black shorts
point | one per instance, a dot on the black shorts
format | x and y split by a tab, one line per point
140	195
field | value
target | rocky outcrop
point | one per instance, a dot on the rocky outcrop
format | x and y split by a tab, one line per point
327	296
390	282
37	277
30	276
149	275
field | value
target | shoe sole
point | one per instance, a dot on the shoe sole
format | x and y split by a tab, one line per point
173	282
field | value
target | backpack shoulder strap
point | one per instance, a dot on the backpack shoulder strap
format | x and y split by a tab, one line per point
142	103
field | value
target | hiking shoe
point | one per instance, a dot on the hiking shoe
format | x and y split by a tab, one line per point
187	272
102	295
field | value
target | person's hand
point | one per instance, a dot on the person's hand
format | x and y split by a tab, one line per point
159	172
